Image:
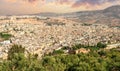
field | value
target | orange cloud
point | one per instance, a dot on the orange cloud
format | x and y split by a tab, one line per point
11	1
93	2
57	6
27	1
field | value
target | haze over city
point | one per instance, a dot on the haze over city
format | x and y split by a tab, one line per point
13	7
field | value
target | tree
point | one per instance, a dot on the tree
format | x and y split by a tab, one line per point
101	45
5	36
82	66
16	49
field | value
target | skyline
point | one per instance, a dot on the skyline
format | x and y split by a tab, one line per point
16	7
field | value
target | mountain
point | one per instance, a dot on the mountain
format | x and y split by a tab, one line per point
109	16
112	11
47	14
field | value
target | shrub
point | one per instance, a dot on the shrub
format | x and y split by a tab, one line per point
5	36
58	52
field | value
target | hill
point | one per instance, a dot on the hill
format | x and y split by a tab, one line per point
113	11
109	16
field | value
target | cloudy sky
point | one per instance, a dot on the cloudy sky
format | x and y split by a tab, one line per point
8	7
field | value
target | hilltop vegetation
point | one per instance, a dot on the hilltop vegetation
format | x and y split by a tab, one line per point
100	60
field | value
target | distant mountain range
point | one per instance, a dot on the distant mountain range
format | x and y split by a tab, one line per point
109	16
113	11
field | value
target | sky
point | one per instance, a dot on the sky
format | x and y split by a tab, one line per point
13	7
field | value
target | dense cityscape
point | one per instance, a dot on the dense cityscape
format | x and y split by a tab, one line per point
87	40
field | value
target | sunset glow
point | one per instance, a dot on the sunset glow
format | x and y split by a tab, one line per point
8	7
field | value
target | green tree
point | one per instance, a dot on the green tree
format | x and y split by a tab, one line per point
5	36
82	66
101	45
15	49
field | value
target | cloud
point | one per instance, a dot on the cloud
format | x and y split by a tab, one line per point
27	1
64	1
11	1
92	2
57	6
33	1
76	3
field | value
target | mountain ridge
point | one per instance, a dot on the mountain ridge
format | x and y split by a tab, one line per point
112	10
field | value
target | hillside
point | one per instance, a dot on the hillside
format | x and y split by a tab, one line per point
110	10
109	16
113	11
